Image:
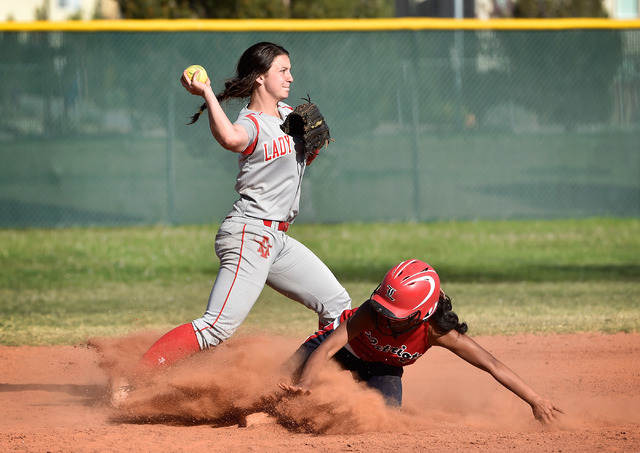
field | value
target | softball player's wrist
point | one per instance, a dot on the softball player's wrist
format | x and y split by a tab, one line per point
209	96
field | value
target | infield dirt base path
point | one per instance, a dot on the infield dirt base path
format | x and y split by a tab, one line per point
55	399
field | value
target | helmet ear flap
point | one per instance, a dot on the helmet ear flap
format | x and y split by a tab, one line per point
431	311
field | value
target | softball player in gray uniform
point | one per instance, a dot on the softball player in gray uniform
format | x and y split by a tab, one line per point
252	242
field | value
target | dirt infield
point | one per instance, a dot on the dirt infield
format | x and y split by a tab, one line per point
54	399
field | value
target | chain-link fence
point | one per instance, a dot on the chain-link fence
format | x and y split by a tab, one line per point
429	125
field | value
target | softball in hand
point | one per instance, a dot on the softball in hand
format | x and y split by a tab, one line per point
202	75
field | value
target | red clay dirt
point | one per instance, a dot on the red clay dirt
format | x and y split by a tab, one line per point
55	399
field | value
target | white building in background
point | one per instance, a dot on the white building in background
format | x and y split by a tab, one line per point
623	9
29	10
617	9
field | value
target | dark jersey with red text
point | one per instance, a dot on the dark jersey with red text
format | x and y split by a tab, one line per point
373	346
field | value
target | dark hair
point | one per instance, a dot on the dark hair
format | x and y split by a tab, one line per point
444	320
254	62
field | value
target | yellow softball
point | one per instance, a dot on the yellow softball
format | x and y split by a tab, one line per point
202	75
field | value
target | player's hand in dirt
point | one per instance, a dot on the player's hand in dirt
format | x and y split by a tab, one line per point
545	411
294	389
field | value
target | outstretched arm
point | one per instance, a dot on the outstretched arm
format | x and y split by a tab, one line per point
318	359
466	348
230	136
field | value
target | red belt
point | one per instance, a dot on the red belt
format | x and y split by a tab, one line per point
282	226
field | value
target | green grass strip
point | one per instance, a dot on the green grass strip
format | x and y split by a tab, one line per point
62	286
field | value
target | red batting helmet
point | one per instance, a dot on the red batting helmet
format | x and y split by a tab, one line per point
407	296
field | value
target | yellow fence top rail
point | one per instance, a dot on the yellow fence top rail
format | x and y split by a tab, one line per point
309	25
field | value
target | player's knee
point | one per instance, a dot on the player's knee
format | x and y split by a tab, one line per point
334	307
390	387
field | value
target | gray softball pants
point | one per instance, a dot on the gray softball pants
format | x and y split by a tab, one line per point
252	255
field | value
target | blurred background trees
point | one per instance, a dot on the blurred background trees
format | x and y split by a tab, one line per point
255	9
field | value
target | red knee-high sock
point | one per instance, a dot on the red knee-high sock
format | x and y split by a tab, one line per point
175	344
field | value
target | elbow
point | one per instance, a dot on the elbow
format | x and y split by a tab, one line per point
231	144
492	366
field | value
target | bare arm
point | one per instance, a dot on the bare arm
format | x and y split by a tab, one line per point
230	136
318	359
466	348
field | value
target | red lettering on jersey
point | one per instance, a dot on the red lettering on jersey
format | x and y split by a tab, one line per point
279	147
288	141
283	146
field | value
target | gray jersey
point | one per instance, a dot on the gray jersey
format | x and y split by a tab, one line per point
271	169
252	251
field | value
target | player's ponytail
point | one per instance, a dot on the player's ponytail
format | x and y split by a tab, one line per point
254	62
234	88
195	117
444	320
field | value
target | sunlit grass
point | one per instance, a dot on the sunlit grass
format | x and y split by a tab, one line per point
62	286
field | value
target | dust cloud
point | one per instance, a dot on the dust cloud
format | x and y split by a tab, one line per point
223	385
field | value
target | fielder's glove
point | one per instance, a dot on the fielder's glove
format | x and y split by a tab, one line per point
307	122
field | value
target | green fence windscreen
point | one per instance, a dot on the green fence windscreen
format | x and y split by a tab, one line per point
429	125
